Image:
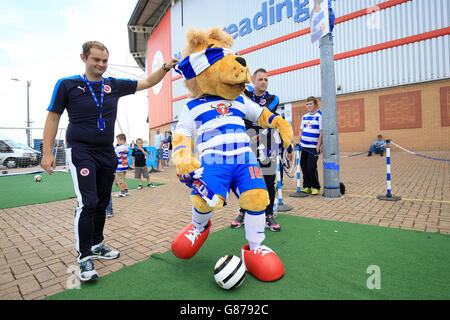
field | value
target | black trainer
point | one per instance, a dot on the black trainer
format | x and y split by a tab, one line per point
272	224
239	221
87	270
103	252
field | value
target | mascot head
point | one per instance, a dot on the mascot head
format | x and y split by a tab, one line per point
211	67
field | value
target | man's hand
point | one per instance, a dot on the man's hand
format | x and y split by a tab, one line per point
48	163
156	76
171	63
318	149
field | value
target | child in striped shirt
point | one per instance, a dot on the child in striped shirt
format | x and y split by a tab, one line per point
311	142
121	171
166	154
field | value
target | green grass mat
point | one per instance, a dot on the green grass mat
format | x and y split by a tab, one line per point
322	260
22	190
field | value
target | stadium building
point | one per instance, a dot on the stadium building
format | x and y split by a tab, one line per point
392	61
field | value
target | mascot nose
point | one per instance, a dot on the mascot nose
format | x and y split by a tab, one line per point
241	61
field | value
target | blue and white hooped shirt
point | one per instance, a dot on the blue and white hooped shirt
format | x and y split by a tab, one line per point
122	157
311	126
219	124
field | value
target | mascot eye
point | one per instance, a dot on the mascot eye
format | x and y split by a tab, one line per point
211	45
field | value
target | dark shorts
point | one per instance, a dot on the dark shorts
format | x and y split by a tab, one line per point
140	171
239	176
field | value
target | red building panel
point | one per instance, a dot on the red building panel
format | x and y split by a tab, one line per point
445	106
350	115
401	110
159	49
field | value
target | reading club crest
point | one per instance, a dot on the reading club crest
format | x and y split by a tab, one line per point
107	89
223	110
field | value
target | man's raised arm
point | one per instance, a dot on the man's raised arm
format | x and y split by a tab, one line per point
156	76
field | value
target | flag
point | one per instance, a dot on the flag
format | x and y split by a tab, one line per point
322	19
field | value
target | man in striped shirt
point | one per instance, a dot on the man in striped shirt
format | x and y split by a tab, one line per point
311	142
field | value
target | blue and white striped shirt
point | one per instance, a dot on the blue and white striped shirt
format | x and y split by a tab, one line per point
219	124
165	153
311	126
122	157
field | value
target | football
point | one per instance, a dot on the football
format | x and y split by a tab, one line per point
38	178
229	272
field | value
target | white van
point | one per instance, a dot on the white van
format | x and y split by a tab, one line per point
11	155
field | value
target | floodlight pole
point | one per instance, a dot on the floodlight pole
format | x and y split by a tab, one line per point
28	114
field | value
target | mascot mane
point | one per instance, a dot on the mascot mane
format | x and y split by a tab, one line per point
200	38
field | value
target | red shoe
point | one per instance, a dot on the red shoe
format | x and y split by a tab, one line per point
186	243
262	263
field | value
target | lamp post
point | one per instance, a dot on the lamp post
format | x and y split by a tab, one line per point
28	110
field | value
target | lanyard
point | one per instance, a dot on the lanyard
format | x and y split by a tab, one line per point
262	98
102	93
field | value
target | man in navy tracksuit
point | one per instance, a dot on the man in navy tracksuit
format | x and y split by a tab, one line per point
263	145
91	103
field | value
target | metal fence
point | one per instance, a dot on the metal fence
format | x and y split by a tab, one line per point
17	156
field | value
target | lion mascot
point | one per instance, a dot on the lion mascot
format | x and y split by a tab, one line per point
216	77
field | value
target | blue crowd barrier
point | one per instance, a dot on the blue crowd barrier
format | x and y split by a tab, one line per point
152	156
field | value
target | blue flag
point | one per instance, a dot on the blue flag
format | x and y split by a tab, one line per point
332	18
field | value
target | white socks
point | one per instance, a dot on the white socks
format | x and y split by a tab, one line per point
199	219
255	223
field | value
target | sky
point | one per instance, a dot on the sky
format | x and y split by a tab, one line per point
41	41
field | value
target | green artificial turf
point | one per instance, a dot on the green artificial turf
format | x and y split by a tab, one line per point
22	190
322	260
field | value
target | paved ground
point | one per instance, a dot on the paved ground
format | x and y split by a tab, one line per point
37	246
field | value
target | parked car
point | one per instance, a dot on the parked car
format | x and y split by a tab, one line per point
35	155
12	156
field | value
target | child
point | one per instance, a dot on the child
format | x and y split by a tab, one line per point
166	154
140	164
121	171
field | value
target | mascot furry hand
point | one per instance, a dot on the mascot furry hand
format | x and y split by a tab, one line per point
216	78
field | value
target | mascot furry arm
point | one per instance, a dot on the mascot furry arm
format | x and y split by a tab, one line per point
185	161
270	120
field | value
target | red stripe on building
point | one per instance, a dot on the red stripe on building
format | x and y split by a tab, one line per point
365	50
357	52
347	17
181	97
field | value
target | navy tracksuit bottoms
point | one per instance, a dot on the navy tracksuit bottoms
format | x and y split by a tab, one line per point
93	175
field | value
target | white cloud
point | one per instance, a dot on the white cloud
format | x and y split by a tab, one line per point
52	52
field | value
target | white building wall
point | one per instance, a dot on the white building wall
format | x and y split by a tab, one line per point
412	63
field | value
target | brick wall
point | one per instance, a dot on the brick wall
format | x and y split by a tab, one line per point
416	117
